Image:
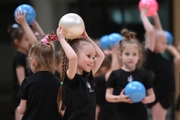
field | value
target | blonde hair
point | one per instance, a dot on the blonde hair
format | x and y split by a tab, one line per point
159	34
44	55
129	37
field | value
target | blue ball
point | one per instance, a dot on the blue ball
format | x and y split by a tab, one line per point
104	42
135	90
169	37
115	38
30	12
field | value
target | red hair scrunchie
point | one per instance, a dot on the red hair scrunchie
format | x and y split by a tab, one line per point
129	37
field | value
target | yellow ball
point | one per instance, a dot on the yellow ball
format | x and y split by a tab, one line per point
72	24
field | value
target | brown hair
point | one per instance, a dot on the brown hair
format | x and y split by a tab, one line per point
44	55
16	32
129	37
76	45
58	57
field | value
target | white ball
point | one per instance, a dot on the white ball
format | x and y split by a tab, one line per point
72	24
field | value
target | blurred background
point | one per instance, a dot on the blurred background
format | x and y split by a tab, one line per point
100	17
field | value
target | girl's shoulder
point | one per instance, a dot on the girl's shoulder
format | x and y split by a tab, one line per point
142	71
18	56
31	78
18	53
78	77
42	75
117	72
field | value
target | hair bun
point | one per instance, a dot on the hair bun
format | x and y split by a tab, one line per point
128	34
12	27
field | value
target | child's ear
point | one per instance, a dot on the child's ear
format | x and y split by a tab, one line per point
16	42
32	61
140	55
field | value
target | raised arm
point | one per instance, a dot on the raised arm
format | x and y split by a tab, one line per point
174	52
38	28
70	53
20	19
99	54
150	35
157	22
115	64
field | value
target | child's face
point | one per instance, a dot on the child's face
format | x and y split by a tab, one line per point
160	45
130	56
24	44
86	56
160	42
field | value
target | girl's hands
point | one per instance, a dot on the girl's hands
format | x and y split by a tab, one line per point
84	35
145	8
21	18
60	34
144	100
125	98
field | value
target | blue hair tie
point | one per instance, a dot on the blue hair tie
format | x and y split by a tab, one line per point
15	25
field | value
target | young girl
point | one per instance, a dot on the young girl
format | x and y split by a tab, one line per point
131	54
38	92
19	63
84	59
163	79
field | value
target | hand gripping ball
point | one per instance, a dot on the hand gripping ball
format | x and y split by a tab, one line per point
135	90
29	10
72	24
152	6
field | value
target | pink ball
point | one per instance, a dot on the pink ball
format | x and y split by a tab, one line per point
152	6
